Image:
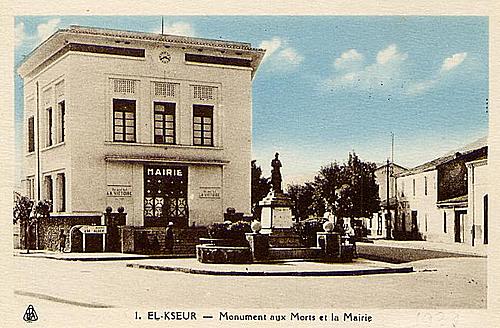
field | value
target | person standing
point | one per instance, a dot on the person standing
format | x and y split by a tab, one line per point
62	241
169	238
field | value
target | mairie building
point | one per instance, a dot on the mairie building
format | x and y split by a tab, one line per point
158	124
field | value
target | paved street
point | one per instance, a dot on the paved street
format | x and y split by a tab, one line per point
437	283
74	291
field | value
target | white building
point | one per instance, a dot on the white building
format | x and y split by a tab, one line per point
385	176
446	200
478	176
158	124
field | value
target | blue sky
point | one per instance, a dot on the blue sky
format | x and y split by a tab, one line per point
332	84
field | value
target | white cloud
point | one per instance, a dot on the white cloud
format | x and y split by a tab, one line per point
390	54
270	46
419	87
279	55
385	73
290	56
348	59
453	61
45	30
179	28
19	34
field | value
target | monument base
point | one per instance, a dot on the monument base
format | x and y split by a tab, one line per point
276	211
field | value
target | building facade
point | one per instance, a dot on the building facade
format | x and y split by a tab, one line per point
478	176
385	176
157	124
445	200
418	215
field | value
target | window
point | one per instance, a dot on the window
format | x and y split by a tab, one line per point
425	219
61	192
62	111
202	125
30	187
425	186
49	127
485	219
123	120
164	123
48	188
444	222
413	187
31	134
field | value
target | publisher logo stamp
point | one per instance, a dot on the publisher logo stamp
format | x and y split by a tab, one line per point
30	314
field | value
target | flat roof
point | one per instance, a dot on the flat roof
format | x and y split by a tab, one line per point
57	40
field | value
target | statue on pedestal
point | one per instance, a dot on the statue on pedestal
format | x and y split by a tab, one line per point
276	207
276	174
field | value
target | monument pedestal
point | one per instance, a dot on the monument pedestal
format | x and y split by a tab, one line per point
276	211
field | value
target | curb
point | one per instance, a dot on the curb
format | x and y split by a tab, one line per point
275	273
89	259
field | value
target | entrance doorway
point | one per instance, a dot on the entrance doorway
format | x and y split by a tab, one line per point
165	195
485	219
459	226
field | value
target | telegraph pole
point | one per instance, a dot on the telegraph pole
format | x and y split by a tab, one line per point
388	222
392	147
388	214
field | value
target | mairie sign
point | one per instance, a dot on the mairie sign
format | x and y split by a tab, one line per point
94	229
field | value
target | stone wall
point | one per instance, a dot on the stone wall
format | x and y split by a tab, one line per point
50	228
152	240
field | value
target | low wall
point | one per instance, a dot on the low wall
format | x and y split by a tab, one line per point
50	228
310	253
223	254
285	237
152	240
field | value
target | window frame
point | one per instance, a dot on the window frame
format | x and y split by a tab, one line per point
169	108
30	187
31	134
61	108
49	188
50	126
444	222
203	112
61	191
123	110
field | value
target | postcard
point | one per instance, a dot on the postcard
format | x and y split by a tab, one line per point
315	166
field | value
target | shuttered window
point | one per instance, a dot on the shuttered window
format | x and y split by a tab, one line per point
31	134
203	125
123	120
164	121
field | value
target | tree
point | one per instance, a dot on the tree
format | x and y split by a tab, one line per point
260	185
22	215
306	202
28	216
349	189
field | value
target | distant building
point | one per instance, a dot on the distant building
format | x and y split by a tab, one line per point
158	124
477	200
378	223
434	199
